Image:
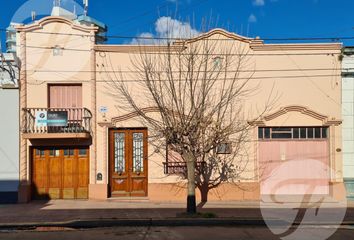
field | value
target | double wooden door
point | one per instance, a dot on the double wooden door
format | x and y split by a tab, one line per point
60	173
128	163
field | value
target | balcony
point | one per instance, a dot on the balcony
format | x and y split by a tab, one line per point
41	123
179	168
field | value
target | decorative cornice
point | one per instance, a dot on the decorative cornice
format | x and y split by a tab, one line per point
256	44
52	19
137	48
336	47
326	121
220	32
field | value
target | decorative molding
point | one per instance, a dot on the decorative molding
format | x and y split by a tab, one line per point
326	121
137	48
52	19
256	44
56	135
335	47
105	124
219	31
133	114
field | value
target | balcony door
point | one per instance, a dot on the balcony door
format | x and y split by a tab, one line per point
65	96
128	163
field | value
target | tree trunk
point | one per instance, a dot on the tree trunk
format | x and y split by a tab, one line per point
204	191
191	201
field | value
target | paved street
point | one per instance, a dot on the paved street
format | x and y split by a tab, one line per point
140	233
60	212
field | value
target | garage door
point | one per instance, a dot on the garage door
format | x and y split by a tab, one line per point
294	161
60	173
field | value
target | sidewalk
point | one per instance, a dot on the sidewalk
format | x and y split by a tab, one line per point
89	212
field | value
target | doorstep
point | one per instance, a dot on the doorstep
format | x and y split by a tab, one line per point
128	199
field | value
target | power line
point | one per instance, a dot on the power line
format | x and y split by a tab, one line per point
335	38
230	71
201	79
167	3
190	6
313	83
195	54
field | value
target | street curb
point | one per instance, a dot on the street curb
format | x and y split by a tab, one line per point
147	222
169	222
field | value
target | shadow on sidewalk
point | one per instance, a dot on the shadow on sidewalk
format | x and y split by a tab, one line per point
44	211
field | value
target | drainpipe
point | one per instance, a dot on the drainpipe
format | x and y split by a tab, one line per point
93	109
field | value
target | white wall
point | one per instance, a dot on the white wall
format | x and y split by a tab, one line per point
9	141
348	118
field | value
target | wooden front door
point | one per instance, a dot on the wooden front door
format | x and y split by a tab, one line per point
60	173
128	163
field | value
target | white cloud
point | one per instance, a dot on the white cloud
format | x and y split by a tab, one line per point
252	18
144	38
258	2
167	27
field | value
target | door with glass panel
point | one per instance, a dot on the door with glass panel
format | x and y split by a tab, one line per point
128	163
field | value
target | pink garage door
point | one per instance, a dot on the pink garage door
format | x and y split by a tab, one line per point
289	167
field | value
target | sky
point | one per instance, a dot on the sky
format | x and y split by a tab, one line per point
265	18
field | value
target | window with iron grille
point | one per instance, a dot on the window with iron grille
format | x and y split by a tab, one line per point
265	133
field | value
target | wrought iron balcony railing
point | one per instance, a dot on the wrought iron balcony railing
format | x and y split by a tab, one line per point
179	167
56	120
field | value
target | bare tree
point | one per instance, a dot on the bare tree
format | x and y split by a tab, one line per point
199	89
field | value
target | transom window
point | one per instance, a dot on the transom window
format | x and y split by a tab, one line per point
69	152
293	132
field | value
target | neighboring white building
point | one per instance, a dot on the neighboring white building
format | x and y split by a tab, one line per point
9	127
348	119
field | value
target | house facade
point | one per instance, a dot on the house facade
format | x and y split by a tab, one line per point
9	129
76	143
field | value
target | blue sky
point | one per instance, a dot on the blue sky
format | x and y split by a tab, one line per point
264	18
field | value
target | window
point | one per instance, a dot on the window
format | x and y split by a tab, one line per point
292	133
40	153
281	133
260	133
217	62
310	133
317	132
69	152
82	152
54	152
223	148
296	133
57	51
303	133
324	132
138	153
119	152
